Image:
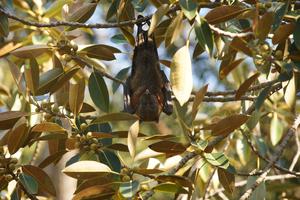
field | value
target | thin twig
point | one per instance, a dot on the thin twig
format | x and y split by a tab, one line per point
278	152
242	183
296	157
254	150
230	34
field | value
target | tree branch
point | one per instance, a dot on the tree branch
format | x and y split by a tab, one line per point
278	151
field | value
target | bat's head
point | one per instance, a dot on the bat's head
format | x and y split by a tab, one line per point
149	107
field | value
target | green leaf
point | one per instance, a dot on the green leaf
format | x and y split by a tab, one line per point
32	75
29	182
279	13
129	189
170	188
189	8
243	150
98	91
174	29
204	35
296	34
276	129
4	28
112	9
217	159
110	159
48	79
181	75
262	97
118	39
122	74
259	192
227	180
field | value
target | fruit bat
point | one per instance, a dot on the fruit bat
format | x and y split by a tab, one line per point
147	91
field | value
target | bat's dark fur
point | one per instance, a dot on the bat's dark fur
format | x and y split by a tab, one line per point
147	90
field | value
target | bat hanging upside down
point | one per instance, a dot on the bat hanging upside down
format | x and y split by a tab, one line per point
147	91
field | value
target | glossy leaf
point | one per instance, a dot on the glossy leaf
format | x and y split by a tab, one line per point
168	147
181	75
48	80
128	36
48	127
41	177
217	159
132	138
111	117
189	8
245	85
100	51
53	158
170	188
76	96
129	189
98	91
122	74
157	16
204	35
29	182
86	169
30	51
95	191
83	13
262	97
223	13
276	129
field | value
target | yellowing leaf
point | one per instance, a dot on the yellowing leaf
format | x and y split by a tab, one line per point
30	51
225	69
276	129
41	177
47	127
197	100
86	169
76	96
9	118
132	138
245	85
174	30
181	75
223	13
157	16
7	48
283	32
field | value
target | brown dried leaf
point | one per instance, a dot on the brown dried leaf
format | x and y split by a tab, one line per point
225	69
283	32
245	85
263	26
17	137
223	13
9	118
168	147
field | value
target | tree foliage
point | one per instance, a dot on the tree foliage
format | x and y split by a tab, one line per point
234	69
